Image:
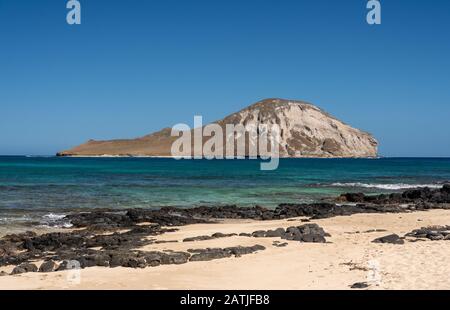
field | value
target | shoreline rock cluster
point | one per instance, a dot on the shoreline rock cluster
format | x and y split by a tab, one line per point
348	204
304	233
111	237
310	233
433	233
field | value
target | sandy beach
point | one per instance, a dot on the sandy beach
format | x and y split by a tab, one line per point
348	257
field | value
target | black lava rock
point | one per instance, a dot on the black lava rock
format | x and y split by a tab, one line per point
24	268
359	285
434	233
259	234
392	239
48	266
217	253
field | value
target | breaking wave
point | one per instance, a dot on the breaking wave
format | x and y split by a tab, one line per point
55	217
55	221
398	186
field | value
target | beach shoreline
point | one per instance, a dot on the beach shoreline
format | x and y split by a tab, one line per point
395	241
346	259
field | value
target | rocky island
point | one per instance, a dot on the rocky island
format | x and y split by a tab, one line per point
306	131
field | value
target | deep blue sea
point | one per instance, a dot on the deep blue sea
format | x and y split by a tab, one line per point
39	190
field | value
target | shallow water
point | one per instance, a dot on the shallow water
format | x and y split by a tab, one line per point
33	187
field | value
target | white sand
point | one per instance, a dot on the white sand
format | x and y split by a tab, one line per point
347	259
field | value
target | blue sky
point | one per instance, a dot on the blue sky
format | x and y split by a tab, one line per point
133	67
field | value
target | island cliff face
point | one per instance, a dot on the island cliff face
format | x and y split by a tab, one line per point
306	131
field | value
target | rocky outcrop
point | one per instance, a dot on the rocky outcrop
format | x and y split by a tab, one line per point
434	233
218	253
111	238
419	195
309	233
306	131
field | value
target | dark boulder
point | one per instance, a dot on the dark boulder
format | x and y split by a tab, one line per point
259	234
121	259
221	235
306	233
392	239
176	258
18	270
240	250
24	268
152	259
359	285
136	262
245	235
218	253
446	189
48	266
313	238
97	259
434	233
209	254
69	265
199	238
353	197
275	233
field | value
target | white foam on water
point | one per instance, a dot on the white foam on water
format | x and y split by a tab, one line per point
397	186
54	217
53	220
61	225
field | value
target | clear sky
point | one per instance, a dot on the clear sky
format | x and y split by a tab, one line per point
135	66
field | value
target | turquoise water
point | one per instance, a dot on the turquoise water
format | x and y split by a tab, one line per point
39	186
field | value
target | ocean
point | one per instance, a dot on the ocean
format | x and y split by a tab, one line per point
39	191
